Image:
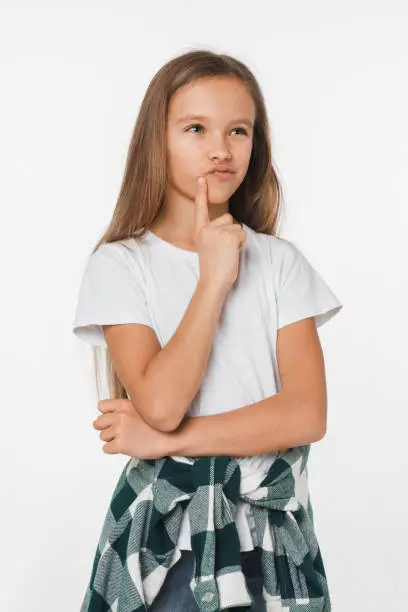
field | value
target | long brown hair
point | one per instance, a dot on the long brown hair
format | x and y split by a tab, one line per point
257	201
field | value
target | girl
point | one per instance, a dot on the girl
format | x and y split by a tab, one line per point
205	312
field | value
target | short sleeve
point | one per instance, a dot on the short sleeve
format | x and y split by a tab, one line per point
111	292
301	292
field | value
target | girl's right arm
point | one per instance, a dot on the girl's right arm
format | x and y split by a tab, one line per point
162	382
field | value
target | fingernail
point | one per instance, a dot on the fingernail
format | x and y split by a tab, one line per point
201	180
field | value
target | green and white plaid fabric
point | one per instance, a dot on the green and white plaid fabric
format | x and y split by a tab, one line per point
138	543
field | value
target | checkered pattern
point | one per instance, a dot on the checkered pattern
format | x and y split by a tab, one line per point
138	543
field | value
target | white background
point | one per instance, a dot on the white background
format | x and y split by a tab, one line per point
72	76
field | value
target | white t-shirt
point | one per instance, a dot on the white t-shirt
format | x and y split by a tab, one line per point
151	281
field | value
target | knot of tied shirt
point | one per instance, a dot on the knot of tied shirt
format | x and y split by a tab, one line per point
210	488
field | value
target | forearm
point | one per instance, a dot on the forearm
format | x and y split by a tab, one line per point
174	375
273	424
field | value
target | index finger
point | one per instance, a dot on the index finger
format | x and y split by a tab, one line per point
201	215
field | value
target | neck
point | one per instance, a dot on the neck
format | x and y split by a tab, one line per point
175	221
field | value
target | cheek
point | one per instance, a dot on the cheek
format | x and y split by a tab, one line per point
244	157
183	160
245	151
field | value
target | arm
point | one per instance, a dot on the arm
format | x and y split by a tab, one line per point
174	375
275	423
293	417
162	382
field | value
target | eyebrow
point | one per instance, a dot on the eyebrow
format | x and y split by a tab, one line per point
203	118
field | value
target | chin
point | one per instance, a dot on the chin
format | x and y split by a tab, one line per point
219	195
218	201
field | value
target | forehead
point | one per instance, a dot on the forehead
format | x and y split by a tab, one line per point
224	97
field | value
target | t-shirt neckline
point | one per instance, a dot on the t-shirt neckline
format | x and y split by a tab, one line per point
193	255
172	247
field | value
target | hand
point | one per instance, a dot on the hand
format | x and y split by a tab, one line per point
127	433
218	242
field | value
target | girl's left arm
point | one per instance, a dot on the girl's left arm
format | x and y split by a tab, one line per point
293	417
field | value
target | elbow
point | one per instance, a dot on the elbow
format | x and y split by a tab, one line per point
319	420
164	426
155	419
162	421
319	432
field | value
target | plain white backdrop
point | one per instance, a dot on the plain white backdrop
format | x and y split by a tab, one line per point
334	76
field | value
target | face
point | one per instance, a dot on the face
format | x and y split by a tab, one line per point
218	130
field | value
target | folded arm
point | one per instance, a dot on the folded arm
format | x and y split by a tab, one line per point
162	382
293	417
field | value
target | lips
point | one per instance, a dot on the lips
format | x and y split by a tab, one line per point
221	174
221	169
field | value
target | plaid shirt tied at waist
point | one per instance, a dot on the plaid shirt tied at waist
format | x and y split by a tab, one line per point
138	543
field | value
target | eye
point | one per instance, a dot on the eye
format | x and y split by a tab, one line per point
243	130
194	125
200	126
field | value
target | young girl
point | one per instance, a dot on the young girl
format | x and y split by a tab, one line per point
205	312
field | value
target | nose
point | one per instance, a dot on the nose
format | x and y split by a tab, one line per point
218	147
